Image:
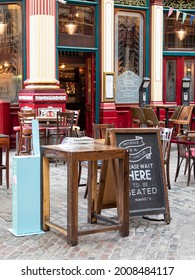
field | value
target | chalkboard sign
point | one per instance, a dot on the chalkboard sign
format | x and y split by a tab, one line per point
148	191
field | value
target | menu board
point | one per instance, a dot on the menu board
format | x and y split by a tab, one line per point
147	191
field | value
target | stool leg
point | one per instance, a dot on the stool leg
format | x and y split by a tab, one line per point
17	141
7	167
0	164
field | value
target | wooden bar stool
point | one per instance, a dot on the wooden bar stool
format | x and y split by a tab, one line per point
4	144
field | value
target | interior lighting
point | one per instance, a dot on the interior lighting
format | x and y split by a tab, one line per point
70	28
62	66
181	34
3	27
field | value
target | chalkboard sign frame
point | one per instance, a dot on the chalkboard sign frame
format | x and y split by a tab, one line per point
156	199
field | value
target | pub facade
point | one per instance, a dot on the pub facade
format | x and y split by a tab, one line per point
93	56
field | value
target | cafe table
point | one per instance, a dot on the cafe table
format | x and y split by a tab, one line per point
44	120
166	107
51	121
73	154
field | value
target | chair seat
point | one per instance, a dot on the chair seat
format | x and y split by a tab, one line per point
180	122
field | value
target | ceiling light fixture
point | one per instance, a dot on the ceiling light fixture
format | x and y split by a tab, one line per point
3	27
181	34
70	28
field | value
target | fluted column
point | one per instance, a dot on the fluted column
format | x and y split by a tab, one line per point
107	35
156	51
107	109
41	44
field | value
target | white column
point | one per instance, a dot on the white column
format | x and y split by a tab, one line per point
42	44
157	53
108	36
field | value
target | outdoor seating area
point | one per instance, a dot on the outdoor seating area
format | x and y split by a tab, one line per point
177	124
53	127
106	164
173	242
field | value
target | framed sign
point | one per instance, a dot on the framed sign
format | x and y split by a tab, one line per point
108	86
148	192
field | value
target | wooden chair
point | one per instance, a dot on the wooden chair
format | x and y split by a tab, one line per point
186	152
184	120
166	134
191	155
151	118
63	128
4	144
181	154
99	132
25	133
75	127
176	114
138	117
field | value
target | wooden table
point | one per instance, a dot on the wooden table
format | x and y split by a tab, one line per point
47	120
73	154
166	107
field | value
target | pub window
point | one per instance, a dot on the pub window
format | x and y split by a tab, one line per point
76	25
171	80
10	52
189	65
178	34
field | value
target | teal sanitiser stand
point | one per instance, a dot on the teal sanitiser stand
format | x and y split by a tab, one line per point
26	190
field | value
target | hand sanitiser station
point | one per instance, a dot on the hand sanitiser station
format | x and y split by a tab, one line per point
26	190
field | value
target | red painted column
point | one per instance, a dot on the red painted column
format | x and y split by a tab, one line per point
41	89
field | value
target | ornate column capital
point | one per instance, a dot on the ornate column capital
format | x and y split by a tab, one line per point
156	2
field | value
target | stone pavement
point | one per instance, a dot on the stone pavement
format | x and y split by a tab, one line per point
147	239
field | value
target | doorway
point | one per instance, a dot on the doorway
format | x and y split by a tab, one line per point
76	72
175	69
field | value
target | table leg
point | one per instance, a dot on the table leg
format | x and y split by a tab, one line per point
46	193
7	167
123	198
158	113
166	117
72	200
92	189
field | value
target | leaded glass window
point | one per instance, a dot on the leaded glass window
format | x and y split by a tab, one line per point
128	55
171	80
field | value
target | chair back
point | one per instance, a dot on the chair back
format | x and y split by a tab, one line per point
182	148
99	130
150	117
25	123
25	118
65	119
186	114
165	135
76	116
138	116
176	113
